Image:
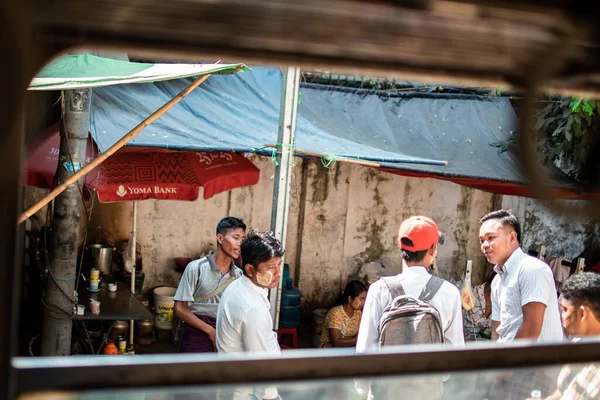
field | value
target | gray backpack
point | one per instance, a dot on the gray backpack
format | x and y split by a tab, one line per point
407	320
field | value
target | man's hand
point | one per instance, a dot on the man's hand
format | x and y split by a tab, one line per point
212	334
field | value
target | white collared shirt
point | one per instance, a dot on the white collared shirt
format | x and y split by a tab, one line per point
524	279
413	279
244	322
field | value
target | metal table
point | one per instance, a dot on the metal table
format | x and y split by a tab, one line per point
121	304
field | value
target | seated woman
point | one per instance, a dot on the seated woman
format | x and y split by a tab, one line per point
340	327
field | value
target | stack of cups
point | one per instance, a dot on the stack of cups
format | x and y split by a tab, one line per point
94	279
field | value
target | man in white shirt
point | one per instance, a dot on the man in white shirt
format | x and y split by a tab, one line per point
418	238
524	300
244	323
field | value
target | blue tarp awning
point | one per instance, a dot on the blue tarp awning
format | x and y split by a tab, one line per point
241	113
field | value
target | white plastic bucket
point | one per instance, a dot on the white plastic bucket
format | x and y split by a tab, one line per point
163	306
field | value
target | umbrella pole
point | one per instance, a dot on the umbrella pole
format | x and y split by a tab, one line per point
134	257
113	149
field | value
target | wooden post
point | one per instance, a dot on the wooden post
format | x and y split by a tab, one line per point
580	265
542	253
283	173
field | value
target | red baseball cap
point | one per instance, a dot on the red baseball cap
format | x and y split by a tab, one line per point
422	231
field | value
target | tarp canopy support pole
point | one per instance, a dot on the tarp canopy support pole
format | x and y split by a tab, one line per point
283	171
62	270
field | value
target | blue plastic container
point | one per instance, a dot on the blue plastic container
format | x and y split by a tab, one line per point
289	312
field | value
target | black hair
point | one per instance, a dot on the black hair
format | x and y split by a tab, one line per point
353	289
583	288
412	256
259	247
229	223
506	217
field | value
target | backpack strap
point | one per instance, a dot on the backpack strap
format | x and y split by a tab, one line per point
394	286
217	291
432	287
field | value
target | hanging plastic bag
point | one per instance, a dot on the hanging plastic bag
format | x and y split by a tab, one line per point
129	255
466	290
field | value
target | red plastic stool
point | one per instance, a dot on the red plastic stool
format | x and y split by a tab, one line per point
287	337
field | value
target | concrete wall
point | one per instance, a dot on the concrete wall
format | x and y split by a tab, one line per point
340	219
563	236
352	217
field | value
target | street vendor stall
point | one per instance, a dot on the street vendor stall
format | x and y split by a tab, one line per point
77	74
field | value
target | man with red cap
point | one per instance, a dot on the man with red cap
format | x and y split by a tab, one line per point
418	239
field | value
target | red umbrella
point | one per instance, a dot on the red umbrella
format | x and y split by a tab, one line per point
138	173
42	160
146	173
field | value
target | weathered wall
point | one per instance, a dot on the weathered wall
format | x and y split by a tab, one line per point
340	219
562	236
352	218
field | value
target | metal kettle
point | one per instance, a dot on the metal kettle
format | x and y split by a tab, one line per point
119	328
102	256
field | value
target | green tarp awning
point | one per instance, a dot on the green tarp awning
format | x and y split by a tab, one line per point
85	71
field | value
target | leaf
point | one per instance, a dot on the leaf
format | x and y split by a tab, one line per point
575	104
587	108
568	135
541	122
558	130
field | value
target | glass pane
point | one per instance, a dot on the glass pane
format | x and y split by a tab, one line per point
490	384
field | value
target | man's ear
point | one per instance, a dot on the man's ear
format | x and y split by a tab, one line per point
249	269
219	238
586	313
432	249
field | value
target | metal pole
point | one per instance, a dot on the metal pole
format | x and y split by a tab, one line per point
283	173
133	257
62	269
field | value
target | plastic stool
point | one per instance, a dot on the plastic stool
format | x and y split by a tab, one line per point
287	337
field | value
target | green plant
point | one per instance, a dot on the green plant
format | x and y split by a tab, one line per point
569	128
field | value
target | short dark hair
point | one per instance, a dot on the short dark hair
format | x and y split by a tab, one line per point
259	247
353	289
229	223
506	217
583	288
412	256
